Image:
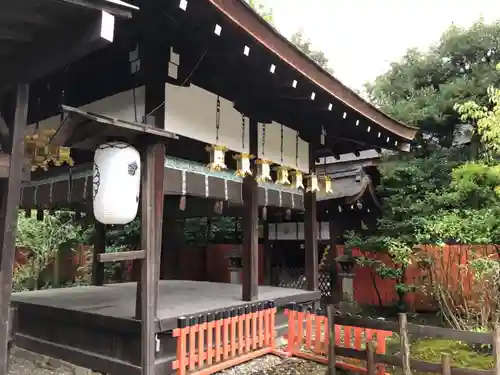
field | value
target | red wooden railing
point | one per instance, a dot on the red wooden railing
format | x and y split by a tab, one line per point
308	337
213	342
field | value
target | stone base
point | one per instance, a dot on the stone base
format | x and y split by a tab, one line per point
349	307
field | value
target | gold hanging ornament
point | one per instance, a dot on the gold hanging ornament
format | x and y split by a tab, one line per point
39	153
312	184
217	152
282	175
263	170
243	164
217	157
243	167
327	184
297	180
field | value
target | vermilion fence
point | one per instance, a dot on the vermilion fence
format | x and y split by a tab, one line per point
210	343
308	337
448	268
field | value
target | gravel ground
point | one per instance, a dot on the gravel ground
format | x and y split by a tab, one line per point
22	366
272	365
267	365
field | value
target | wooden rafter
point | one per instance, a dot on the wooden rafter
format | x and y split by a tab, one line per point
48	56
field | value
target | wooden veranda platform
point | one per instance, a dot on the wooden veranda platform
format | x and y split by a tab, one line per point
95	326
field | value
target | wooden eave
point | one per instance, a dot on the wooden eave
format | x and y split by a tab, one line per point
239	12
39	37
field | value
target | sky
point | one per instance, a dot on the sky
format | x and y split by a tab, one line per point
361	37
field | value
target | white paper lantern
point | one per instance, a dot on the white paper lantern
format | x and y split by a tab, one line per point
116	183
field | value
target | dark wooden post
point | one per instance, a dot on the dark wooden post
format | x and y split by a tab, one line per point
311	231
153	63
405	344
268	256
496	347
370	358
99	248
446	364
335	292
251	226
10	194
331	343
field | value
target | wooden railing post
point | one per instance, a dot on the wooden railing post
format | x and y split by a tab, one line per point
405	344
446	364
291	313
496	347
331	340
370	358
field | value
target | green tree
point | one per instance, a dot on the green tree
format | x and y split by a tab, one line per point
423	88
440	193
264	11
298	38
305	45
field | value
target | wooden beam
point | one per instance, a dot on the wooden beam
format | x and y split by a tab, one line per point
22	16
120	256
8	217
311	231
62	49
117	8
99	249
250	226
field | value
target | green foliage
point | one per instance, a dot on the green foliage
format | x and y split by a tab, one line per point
265	12
441	192
43	239
298	38
423	88
305	45
124	237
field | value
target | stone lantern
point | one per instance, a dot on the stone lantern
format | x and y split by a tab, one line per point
347	262
235	260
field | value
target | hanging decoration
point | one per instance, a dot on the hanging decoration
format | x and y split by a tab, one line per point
325	181
327	184
263	165
297	177
243	159
312	184
263	170
282	171
40	154
217	152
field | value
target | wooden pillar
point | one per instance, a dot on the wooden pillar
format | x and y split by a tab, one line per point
335	231
311	231
153	68
99	248
250	240
267	255
10	195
